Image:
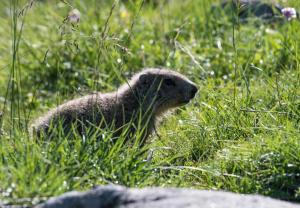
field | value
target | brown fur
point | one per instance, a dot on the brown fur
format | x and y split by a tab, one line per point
139	102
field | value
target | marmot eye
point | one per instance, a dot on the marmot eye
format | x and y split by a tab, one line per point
169	82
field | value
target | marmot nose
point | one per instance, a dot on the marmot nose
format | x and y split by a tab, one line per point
194	90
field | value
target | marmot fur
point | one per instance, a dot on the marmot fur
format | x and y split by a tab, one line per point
138	102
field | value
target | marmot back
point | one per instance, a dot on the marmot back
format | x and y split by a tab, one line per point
138	103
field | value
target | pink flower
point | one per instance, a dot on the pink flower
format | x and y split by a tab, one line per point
289	13
74	16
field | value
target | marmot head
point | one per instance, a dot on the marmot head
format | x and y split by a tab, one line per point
164	88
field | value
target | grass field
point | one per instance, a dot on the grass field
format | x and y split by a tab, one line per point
241	133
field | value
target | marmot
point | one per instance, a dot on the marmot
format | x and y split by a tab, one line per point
138	103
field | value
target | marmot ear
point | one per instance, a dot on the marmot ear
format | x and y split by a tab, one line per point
144	79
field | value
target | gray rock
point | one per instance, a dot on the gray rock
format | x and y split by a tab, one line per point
117	196
261	9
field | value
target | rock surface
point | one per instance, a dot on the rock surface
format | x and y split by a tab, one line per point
117	196
268	11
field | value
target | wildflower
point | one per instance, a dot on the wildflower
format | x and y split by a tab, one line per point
67	65
225	77
74	16
124	14
289	13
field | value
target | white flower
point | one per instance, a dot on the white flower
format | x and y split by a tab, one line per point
289	13
74	16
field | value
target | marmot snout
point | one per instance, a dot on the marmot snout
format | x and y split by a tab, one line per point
139	102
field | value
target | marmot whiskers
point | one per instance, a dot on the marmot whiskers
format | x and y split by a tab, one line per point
139	102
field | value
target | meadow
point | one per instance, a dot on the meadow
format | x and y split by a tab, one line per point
241	133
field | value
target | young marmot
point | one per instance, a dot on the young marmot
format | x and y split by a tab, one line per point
138	103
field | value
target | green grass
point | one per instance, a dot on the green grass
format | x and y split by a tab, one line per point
241	133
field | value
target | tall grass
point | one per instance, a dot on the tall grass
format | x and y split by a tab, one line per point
240	134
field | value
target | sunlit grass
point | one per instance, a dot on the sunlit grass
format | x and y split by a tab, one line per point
241	132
